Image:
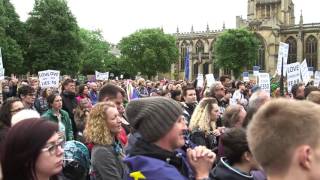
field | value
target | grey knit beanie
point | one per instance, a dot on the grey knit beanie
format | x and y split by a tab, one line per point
153	117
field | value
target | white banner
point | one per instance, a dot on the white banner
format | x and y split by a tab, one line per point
1	73
317	78
49	78
264	81
293	75
305	72
102	76
200	80
210	79
282	53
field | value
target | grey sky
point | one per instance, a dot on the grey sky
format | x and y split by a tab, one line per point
119	18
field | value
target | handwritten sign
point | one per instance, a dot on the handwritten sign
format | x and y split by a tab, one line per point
49	78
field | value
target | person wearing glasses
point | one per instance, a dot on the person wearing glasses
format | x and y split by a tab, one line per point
56	114
9	108
27	94
33	150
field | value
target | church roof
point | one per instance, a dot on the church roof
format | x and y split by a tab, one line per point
268	1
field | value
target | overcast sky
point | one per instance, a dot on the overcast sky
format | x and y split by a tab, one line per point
120	18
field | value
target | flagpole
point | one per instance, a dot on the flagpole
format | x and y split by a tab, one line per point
281	80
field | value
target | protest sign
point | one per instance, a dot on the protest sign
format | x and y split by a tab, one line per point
245	76
310	69
304	72
293	75
49	78
210	79
282	54
256	70
316	78
102	76
1	73
200	81
264	81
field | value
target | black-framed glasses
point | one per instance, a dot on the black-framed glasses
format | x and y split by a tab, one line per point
52	148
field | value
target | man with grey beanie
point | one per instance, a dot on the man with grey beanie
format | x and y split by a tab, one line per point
161	124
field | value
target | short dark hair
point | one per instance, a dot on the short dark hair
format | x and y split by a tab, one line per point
295	88
224	77
5	111
66	82
110	90
187	88
23	145
25	90
81	89
235	144
175	93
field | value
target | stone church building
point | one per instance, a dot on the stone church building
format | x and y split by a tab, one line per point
272	21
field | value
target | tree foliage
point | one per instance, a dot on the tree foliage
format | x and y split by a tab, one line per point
236	49
149	51
54	40
11	32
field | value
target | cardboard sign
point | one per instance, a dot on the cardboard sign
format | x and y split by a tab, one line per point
256	70
317	78
1	73
210	79
200	81
245	76
282	53
293	75
49	78
305	72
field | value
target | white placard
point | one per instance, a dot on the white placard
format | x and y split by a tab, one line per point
1	74
282	53
264	81
102	76
121	76
245	76
317	78
210	79
256	70
1	63
293	75
49	78
200	80
305	72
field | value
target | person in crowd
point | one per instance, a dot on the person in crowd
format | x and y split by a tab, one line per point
84	94
190	101
93	94
32	151
310	89
297	91
161	124
81	116
234	116
257	99
111	92
218	91
238	162
294	126
27	95
203	123
10	107
69	101
56	114
238	96
10	88
141	89
314	96
41	103
102	130
176	95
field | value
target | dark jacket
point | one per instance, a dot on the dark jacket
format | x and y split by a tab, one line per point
205	139
107	163
69	103
224	171
155	163
64	119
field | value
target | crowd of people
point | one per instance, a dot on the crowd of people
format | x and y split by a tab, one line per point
176	130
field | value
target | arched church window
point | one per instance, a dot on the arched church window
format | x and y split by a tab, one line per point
261	55
292	54
184	47
311	51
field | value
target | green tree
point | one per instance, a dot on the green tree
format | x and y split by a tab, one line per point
11	51
236	49
95	54
54	40
149	51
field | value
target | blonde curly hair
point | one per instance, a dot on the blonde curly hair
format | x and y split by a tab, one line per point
201	118
96	130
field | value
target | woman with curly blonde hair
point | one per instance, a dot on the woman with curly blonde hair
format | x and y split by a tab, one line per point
102	128
203	123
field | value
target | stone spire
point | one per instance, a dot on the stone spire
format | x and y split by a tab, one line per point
208	27
177	29
224	25
301	19
192	29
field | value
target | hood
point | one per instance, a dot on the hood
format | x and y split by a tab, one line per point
224	171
